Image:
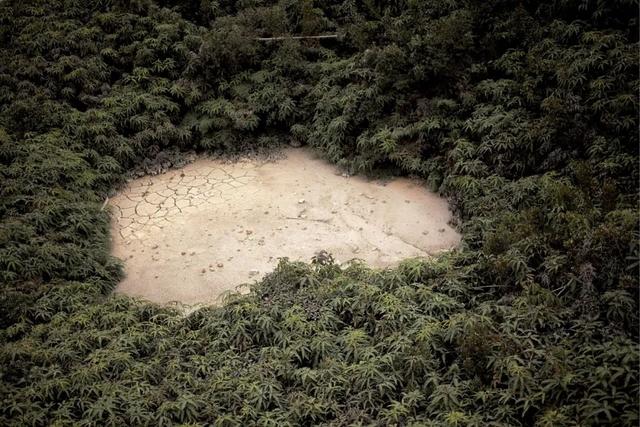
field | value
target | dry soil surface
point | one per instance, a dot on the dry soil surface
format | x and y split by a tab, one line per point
191	234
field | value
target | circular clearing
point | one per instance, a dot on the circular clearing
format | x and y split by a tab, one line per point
193	233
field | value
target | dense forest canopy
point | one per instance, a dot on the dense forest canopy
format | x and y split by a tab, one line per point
524	114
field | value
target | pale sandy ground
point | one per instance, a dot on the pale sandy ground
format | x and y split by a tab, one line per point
191	234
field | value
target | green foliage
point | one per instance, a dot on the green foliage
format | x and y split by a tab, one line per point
523	114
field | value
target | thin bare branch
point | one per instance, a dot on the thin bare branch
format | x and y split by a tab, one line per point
325	36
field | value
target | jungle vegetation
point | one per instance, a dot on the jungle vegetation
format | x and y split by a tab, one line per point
524	114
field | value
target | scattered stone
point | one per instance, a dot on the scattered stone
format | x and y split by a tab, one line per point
220	265
249	232
192	253
301	201
253	273
204	270
183	253
154	247
295	143
441	230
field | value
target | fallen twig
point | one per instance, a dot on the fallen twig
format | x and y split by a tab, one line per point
326	221
325	36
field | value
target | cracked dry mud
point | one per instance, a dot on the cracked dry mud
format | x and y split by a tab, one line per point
191	234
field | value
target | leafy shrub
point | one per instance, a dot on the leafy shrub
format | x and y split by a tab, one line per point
523	114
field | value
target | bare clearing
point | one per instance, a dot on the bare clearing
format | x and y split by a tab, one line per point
193	233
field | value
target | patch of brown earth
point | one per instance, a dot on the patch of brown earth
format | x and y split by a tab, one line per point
191	234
